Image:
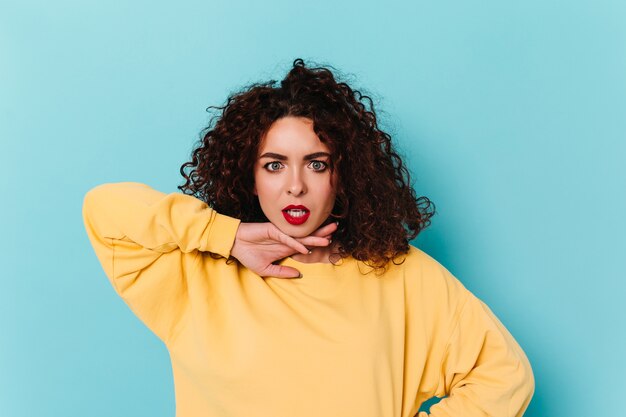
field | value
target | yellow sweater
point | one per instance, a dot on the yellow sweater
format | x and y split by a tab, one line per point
335	343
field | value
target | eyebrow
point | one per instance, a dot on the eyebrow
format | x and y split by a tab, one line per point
284	158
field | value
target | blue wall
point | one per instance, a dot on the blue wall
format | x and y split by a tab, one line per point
512	117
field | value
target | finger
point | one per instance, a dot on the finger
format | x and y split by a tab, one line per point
280	271
314	241
325	230
289	241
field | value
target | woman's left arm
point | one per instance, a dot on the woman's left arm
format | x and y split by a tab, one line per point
485	372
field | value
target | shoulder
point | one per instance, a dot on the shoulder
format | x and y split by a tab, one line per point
427	280
417	258
419	265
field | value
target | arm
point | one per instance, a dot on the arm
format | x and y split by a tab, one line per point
484	370
145	240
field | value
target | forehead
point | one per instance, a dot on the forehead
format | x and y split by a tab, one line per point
292	136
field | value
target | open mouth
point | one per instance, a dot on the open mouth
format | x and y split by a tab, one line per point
296	214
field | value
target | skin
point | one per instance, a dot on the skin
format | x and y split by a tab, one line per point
292	168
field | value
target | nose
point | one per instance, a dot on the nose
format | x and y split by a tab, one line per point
296	184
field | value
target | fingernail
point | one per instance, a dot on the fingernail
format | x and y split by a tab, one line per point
330	241
337	223
310	251
299	276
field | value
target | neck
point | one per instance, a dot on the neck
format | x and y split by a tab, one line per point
318	255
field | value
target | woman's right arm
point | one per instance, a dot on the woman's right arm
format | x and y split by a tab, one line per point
144	239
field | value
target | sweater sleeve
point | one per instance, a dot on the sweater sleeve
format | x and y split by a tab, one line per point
484	370
146	241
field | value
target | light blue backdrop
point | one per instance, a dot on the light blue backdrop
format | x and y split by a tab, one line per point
512	117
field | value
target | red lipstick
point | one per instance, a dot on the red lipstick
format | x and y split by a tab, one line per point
296	214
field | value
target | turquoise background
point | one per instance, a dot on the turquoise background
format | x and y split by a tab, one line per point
511	116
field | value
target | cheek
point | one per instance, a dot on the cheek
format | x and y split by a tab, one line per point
265	188
330	195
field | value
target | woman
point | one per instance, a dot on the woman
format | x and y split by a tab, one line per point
297	180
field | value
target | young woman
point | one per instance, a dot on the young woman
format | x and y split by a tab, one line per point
296	180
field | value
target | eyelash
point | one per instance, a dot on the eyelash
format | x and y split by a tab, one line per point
324	165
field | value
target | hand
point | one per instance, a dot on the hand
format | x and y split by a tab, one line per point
257	245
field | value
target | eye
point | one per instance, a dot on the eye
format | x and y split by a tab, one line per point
273	166
318	166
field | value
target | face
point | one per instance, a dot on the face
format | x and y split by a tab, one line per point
292	177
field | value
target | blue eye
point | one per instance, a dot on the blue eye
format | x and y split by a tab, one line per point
273	166
318	166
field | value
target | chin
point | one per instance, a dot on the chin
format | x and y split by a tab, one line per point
302	230
297	231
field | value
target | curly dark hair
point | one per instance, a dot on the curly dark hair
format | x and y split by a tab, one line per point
377	208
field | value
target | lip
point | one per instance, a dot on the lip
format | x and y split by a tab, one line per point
296	220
